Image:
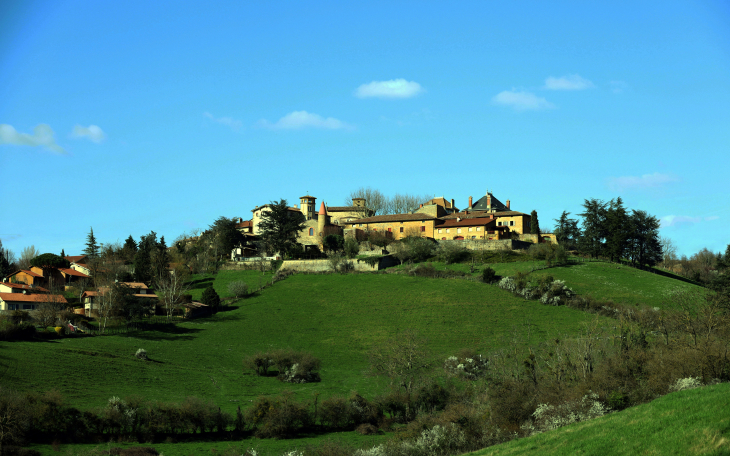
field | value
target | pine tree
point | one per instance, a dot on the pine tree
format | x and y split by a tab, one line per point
129	249
92	248
594	227
211	298
63	254
143	271
279	227
567	231
618	230
534	224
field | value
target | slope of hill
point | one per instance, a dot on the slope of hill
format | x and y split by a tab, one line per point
688	422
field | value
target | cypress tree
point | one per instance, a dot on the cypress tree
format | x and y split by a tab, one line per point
92	248
534	224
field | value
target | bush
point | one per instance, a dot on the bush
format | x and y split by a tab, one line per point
352	248
238	288
211	298
259	362
451	252
469	367
489	275
556	294
293	366
549	417
278	417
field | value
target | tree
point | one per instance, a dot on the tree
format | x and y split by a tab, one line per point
403	359
404	203
211	298
618	230
129	249
171	288
225	237
375	202
92	248
594	227
534	223
7	260
50	261
143	258
567	232
63	253
26	255
333	242
160	258
645	248
669	252
279	227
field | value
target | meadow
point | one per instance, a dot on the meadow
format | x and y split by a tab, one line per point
337	318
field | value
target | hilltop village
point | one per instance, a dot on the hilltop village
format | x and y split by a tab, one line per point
486	219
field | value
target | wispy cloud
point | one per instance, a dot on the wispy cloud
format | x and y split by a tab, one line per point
521	101
679	220
299	120
570	82
640	182
42	136
618	86
395	88
234	124
92	132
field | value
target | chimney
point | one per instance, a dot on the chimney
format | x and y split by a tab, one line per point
470	202
458	219
295	206
507	204
489	200
421	205
452	203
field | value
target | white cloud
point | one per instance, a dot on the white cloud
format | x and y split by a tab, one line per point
618	86
570	82
644	181
42	136
712	217
234	124
395	88
521	101
298	120
677	220
92	131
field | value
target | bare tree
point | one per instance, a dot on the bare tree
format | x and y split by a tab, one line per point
50	305
170	288
403	203
403	358
14	417
26	255
669	251
375	201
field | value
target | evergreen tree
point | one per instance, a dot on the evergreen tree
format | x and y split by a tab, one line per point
63	253
92	248
534	224
211	298
225	236
279	227
594	227
6	267
161	259
143	258
129	249
618	230
567	232
645	247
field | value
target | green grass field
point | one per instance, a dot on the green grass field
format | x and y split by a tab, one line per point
691	422
337	318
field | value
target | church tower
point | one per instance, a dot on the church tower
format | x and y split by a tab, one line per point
308	206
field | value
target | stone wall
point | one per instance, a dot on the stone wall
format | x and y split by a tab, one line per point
479	244
325	266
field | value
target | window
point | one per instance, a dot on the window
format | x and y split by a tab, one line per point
499	223
479	228
28	307
401	229
439	230
447	230
423	228
458	230
311	231
470	228
512	223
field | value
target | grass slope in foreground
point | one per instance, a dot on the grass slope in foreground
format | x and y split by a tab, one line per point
684	423
337	318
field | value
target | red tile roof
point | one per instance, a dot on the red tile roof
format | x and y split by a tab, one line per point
72	272
75	258
467	222
393	218
31	273
20	297
24	287
345	209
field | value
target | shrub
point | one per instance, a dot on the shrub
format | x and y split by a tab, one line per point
469	367
260	363
278	417
293	366
238	288
489	275
352	248
211	298
549	417
141	354
685	384
557	294
451	252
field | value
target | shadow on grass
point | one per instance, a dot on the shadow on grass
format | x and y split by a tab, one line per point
165	331
672	276
201	283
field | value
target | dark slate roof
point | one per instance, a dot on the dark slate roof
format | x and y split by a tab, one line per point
481	204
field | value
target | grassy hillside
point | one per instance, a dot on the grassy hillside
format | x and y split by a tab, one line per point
338	318
689	422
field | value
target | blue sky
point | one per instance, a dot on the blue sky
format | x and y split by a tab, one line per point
136	116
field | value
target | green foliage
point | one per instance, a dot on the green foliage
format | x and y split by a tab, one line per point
279	227
143	271
211	298
333	242
49	260
488	275
534	223
238	288
566	231
92	248
351	247
225	236
278	417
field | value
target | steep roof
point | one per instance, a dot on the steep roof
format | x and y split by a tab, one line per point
482	204
322	209
75	258
22	286
393	218
20	297
72	272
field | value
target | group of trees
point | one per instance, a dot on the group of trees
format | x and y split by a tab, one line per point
608	230
380	204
